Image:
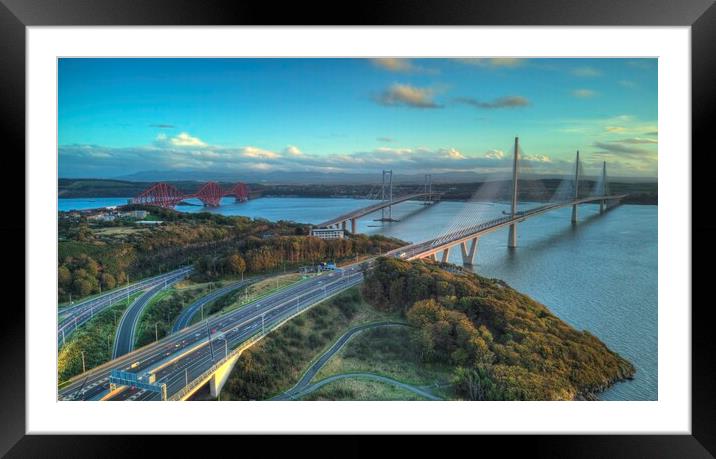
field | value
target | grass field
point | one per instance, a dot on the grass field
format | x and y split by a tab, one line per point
166	306
277	362
359	389
387	351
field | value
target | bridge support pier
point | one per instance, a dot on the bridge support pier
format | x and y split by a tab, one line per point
218	379
343	225
353	225
512	237
445	255
602	206
433	257
468	255
576	188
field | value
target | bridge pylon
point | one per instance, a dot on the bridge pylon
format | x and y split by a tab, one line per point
512	237
576	189
603	202
468	254
428	189
387	186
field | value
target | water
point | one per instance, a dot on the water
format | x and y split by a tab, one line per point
68	204
599	276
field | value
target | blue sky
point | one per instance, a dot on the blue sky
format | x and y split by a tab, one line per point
121	116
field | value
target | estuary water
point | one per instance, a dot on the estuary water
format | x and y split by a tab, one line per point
599	275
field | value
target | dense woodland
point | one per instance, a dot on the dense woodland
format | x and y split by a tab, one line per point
99	256
504	345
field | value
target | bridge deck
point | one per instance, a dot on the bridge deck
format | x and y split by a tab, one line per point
445	241
372	208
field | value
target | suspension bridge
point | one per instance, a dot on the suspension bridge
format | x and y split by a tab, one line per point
210	194
424	192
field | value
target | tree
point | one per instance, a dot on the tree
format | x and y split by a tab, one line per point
82	287
235	264
108	281
475	384
64	276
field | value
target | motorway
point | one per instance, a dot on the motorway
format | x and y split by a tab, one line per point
190	311
125	335
73	317
184	356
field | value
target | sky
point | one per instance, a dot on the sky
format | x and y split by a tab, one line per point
118	117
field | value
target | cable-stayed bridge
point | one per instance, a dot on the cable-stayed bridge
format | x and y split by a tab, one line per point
175	367
467	238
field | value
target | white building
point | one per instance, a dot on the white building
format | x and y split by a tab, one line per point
327	233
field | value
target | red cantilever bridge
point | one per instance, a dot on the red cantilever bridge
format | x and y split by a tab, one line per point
165	195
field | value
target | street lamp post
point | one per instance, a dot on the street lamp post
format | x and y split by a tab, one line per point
83	361
156	331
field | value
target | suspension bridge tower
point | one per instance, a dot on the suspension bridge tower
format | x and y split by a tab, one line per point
387	192
428	189
576	189
512	237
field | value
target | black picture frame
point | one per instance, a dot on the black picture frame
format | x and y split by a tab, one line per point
16	15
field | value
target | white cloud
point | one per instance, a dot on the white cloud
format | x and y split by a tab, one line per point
181	140
407	95
588	72
536	158
254	152
584	93
400	65
292	150
495	154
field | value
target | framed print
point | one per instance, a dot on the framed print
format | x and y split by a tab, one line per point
434	219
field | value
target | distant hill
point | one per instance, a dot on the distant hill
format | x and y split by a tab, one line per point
321	178
540	188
